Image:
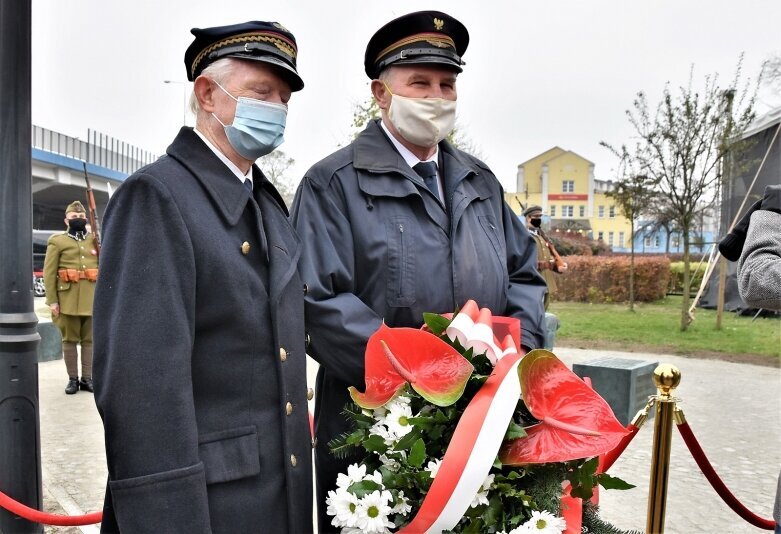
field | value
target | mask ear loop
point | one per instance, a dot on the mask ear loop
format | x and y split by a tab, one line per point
227	93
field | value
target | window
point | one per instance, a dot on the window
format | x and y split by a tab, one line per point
567	211
602	212
568	186
675	241
621	239
553	211
648	241
612	212
600	236
610	238
582	211
656	241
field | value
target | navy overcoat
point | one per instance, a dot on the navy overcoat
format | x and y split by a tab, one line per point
378	246
199	353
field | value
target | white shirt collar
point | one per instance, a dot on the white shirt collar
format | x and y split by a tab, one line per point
228	163
406	153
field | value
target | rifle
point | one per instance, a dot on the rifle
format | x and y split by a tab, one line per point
93	210
561	265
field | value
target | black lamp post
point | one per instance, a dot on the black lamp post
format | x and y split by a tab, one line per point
20	446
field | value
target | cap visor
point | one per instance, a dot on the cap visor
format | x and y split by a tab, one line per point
285	70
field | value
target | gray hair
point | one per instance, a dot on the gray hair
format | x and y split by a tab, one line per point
217	71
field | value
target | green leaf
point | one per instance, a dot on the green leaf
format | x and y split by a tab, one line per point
417	454
436	323
364	487
514	431
375	443
608	482
407	441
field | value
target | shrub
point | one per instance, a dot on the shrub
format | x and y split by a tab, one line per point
676	277
606	279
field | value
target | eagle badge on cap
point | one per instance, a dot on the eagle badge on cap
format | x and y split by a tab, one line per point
279	26
439	23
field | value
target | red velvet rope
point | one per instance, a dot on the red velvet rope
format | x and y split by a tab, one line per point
610	458
725	494
36	516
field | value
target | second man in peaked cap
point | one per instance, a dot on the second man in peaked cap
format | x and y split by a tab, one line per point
401	222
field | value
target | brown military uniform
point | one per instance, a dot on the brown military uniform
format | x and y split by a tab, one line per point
69	272
545	264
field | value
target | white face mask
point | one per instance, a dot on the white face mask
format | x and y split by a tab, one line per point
423	122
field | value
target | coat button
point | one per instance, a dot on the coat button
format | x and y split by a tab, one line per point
306	289
307	340
293	460
245	248
288	408
310	393
282	354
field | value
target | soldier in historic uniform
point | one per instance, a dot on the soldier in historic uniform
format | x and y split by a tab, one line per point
200	369
70	271
548	260
400	223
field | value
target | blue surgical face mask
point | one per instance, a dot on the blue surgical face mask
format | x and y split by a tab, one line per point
258	126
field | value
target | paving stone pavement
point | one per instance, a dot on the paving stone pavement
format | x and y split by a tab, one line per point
733	409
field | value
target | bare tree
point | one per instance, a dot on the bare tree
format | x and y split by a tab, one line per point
632	192
275	167
680	146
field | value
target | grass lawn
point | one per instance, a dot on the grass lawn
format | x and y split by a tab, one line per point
655	327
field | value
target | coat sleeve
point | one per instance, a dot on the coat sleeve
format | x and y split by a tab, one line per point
527	287
338	322
50	264
143	335
759	268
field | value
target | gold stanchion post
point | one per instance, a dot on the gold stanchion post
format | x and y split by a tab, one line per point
666	378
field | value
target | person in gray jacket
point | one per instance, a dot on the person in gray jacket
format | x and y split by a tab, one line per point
400	223
200	370
759	272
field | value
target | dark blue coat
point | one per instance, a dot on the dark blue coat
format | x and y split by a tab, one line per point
379	246
199	348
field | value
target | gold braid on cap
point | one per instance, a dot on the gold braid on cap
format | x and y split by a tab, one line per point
277	40
436	39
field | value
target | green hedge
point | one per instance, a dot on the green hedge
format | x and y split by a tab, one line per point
606	279
676	277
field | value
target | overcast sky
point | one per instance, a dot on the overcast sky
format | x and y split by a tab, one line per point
537	75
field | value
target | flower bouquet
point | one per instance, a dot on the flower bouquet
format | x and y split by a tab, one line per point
463	433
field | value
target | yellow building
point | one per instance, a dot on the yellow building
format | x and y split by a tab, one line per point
572	200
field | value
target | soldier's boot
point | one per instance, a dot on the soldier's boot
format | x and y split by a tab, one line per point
71	356
85	383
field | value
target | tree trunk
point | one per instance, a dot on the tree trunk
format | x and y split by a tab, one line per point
632	266
685	318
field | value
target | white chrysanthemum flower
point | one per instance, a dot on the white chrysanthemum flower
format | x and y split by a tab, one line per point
397	419
545	522
374	477
392	464
402	505
343	505
373	511
355	473
381	430
433	467
482	494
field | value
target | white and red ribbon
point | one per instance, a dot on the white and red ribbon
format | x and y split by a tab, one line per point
481	429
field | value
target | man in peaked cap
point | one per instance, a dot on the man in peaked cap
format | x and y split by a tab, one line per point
200	372
70	271
400	222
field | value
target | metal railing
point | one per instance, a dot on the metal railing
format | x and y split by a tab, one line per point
98	149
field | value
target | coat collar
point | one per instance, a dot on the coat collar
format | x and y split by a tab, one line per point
373	151
227	193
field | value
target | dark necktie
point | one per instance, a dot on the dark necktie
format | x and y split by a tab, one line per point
428	171
248	185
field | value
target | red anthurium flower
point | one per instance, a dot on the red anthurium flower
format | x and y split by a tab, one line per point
396	356
575	421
